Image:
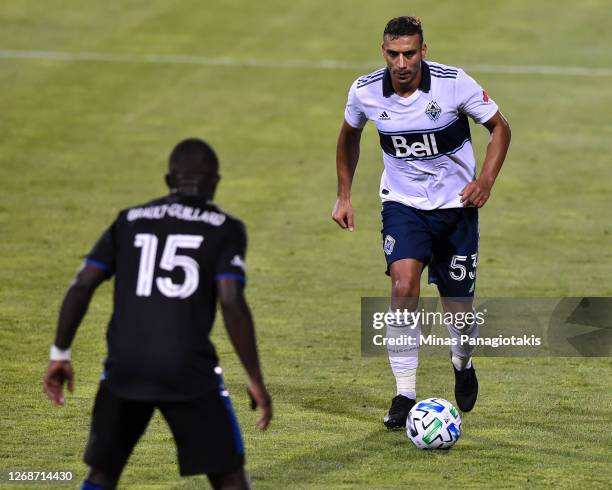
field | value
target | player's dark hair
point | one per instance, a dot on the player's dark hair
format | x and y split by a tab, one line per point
403	26
193	156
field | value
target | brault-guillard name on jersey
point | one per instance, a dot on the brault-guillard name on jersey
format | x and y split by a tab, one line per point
178	211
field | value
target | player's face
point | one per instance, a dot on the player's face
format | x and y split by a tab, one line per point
403	56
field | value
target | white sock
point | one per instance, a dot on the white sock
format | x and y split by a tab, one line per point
406	383
461	363
462	352
404	359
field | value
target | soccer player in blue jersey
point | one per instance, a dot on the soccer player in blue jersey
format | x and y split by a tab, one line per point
429	190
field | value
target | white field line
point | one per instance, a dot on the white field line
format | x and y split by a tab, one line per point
269	63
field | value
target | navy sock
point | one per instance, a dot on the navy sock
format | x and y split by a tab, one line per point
87	485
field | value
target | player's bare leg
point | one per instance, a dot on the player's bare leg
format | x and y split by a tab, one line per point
405	290
235	480
466	383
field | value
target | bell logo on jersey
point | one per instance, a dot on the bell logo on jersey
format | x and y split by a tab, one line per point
417	149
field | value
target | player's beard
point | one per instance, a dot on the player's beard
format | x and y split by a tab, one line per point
407	77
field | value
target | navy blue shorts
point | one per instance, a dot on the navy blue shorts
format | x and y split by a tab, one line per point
444	239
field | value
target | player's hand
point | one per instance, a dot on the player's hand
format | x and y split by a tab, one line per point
343	214
260	398
476	193
57	374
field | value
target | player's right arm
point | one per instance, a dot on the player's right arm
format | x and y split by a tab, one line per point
74	307
241	331
347	156
99	266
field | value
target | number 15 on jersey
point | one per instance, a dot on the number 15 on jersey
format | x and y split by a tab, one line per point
169	260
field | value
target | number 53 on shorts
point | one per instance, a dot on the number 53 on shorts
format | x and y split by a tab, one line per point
458	269
455	275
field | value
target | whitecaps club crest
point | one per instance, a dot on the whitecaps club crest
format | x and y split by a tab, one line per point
433	110
389	244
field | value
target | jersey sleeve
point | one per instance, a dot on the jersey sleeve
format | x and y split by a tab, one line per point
104	252
354	114
473	100
231	264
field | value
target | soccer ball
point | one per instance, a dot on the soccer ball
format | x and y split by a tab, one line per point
433	423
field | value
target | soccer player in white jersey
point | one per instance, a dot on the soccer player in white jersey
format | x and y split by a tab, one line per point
429	190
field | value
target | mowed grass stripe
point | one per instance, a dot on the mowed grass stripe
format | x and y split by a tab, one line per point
325	64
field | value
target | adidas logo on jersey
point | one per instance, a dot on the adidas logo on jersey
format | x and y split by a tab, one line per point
417	149
384	116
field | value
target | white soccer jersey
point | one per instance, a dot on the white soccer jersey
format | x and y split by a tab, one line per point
425	138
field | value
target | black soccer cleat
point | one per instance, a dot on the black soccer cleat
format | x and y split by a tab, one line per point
398	412
466	388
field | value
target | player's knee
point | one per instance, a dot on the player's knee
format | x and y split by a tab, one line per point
406	287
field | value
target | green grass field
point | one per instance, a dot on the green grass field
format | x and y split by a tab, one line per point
81	139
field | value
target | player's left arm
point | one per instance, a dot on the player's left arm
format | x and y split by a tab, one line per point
72	311
477	193
241	330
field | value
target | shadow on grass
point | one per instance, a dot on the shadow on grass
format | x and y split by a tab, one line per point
351	458
353	402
